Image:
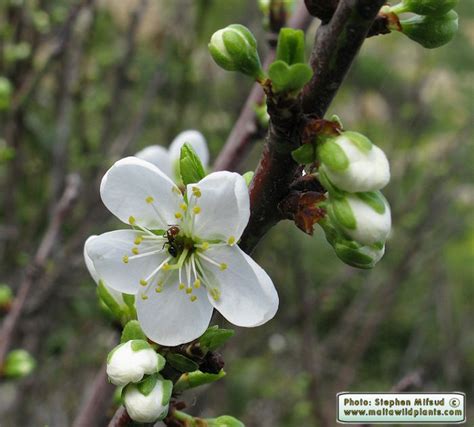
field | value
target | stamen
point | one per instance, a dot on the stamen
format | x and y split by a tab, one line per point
196	192
158	290
204	246
125	259
144	297
189	290
135	250
231	240
193	298
178	215
196	210
144	254
215	294
197	284
223	266
143	282
183	206
157	269
131	220
181	286
138	240
149	199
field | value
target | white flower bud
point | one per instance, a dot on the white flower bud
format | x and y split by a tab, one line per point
145	405
130	361
363	217
352	163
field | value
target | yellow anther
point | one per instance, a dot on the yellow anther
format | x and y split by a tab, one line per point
193	298
181	286
138	240
196	209
135	250
223	266
131	220
197	283
144	297
160	283
178	215
143	282
158	290
125	259
189	290
215	294
183	206
166	266
149	199
231	240
205	246
196	192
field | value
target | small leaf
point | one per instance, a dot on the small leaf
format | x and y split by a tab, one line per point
109	300
190	166
132	331
215	337
167	391
304	155
196	379
181	363
248	177
147	385
287	78
290	48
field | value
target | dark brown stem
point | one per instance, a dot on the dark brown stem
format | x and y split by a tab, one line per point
36	268
120	418
336	45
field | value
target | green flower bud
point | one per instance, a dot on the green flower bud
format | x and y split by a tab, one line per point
18	364
6	90
224	421
431	31
6	296
234	48
425	7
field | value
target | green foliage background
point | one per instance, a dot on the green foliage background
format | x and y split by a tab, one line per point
337	328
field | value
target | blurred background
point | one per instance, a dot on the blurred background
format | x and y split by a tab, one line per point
85	83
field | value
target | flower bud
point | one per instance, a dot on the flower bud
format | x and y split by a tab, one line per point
224	421
359	256
352	163
431	31
6	296
425	7
363	217
130	361
234	48
18	364
148	401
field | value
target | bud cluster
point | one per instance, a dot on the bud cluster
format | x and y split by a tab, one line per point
434	24
358	221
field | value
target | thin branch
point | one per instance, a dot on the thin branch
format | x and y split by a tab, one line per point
37	267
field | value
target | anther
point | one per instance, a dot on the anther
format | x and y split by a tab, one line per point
166	266
183	206
196	209
196	192
131	220
158	290
149	199
181	286
197	283
205	246
125	259
178	215
223	266
138	240
135	250
143	282
193	298
231	240
144	297
189	290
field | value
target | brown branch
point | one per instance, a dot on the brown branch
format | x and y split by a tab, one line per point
245	129
336	45
120	418
37	267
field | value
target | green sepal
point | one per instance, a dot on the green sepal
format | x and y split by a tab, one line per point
248	176
290	47
431	31
111	352
190	165
214	337
332	156
196	379
425	7
132	331
353	256
305	154
224	421
289	78
363	143
147	385
181	363
109	301
138	345
375	200
167	391
129	301
341	213
328	185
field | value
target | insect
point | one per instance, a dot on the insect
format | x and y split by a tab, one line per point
173	245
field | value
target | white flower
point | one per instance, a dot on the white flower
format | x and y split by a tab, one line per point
352	163
167	160
117	296
130	361
147	408
363	217
178	280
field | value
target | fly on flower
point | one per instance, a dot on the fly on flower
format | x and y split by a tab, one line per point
177	290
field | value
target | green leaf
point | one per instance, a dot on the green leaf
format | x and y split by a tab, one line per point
147	385
196	379
332	156
305	154
214	338
248	177
290	48
286	78
132	331
109	301
181	363
374	199
190	166
138	345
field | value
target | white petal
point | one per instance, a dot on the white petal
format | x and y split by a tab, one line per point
247	294
144	409
159	156
117	296
170	318
107	252
135	188
193	138
224	206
